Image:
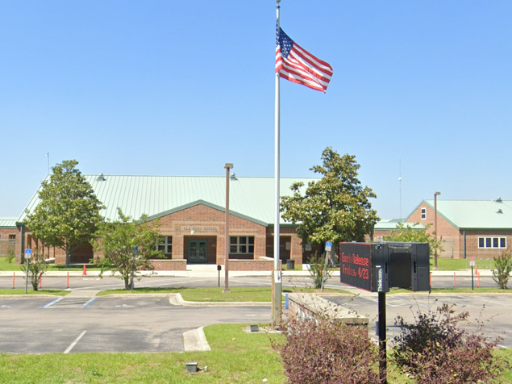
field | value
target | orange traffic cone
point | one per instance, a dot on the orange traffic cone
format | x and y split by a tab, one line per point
85	270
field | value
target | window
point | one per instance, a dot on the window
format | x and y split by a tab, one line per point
423	213
12	237
241	244
165	244
492	242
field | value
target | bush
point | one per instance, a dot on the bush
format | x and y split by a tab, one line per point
36	268
316	270
502	269
10	256
325	351
435	350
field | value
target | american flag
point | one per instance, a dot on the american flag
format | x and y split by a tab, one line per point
298	65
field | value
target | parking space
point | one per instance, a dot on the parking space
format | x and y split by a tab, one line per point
494	311
108	324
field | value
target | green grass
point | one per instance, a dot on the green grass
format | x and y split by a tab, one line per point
448	264
5	266
55	292
246	294
236	357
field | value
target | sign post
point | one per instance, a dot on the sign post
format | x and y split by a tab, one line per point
328	248
28	256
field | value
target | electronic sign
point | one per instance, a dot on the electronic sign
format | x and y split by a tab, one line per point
356	265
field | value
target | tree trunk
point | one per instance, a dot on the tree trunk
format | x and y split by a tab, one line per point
68	257
127	284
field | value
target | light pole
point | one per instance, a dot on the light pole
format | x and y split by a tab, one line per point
435	227
134	253
228	166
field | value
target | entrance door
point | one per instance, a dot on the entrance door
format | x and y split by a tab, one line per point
197	251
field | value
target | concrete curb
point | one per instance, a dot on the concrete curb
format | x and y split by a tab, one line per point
195	341
176	299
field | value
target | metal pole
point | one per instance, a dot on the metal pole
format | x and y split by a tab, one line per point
26	277
325	270
472	280
228	166
435	226
276	298
382	338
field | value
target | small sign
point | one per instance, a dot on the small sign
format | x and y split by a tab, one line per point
328	246
28	253
471	262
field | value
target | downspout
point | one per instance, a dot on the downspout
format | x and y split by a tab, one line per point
464	244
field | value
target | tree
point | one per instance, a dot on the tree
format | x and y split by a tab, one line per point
411	235
117	241
335	208
69	211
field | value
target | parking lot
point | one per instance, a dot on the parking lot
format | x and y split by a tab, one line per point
108	324
494	311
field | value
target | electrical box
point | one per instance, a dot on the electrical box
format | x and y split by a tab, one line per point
377	267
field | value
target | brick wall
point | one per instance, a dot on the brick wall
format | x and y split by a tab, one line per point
169	265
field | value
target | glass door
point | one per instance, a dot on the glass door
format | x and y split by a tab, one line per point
197	251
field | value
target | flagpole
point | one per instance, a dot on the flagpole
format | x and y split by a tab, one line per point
276	298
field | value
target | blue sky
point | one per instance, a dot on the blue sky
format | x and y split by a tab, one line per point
168	87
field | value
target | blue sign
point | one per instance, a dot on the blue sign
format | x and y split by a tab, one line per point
328	246
28	251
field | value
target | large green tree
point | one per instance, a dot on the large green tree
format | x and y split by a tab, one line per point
68	212
117	241
336	207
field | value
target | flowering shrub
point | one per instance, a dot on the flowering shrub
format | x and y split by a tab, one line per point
324	351
436	350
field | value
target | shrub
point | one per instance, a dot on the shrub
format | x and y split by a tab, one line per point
36	268
502	269
316	270
435	350
10	256
324	351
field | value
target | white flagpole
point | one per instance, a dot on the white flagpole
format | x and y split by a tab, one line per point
277	299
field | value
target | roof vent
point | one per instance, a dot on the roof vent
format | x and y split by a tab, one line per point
233	176
499	211
498	200
101	177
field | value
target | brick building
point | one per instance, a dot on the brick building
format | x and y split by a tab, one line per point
191	211
468	228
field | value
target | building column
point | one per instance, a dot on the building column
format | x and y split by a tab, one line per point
296	250
178	247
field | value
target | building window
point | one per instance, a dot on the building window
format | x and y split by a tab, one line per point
423	213
241	244
492	242
165	244
12	237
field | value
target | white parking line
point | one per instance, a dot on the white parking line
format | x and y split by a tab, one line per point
74	342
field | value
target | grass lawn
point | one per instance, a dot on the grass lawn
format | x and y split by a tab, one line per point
30	291
216	295
6	266
236	357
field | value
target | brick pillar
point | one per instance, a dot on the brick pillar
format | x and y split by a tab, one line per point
178	247
221	246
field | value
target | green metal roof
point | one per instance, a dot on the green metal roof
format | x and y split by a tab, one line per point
8	222
389	225
250	197
475	214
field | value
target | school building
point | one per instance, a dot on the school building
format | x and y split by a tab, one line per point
191	211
